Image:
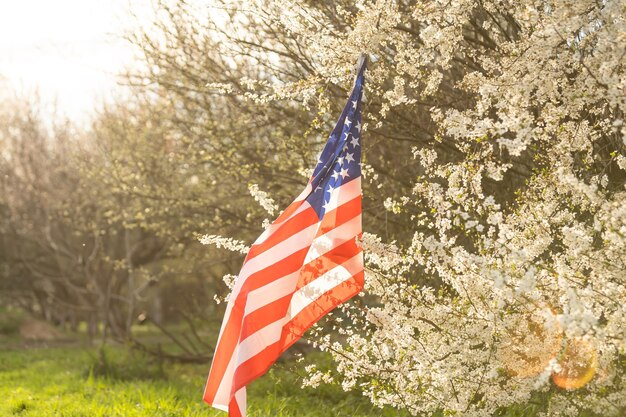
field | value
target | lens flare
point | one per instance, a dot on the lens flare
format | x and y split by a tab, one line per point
531	340
578	365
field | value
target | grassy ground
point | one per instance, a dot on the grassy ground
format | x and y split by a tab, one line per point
72	382
69	379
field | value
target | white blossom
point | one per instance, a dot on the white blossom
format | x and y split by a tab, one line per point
263	199
485	284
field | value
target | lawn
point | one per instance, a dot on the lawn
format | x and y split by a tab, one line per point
68	378
71	382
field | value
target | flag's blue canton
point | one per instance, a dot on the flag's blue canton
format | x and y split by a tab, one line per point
340	161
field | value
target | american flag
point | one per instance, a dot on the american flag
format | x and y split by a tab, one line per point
303	265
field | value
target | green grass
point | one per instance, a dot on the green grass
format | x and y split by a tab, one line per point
73	382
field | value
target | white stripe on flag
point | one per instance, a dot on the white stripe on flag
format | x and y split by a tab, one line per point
276	253
272	291
326	282
259	340
245	350
326	242
344	193
240	397
274	226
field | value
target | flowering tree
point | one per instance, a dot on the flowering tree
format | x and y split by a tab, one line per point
497	270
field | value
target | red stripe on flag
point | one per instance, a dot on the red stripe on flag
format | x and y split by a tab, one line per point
298	325
257	365
340	215
288	211
231	333
292	226
265	315
233	408
319	266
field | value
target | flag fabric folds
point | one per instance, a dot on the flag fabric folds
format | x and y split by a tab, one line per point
303	265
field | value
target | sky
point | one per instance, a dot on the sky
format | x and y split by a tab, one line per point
68	50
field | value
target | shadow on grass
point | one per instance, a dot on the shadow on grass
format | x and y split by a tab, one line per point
124	365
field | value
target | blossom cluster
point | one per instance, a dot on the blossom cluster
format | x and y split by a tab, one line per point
514	281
